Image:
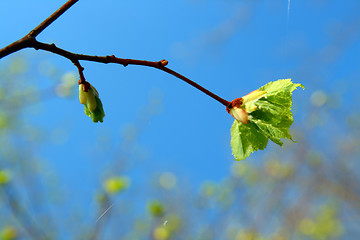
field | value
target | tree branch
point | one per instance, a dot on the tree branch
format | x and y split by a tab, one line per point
29	41
125	62
26	41
36	31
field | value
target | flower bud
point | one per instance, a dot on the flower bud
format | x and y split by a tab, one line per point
90	98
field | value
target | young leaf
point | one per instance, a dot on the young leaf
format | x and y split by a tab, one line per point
270	117
245	139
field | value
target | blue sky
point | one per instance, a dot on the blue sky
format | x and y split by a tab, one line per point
230	47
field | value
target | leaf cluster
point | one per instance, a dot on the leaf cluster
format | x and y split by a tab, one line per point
270	118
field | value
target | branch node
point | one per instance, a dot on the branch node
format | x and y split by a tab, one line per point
163	63
31	33
108	58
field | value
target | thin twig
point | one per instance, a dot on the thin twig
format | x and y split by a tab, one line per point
194	84
80	70
29	41
125	62
30	37
36	31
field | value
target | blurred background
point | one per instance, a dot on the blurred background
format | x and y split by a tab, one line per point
160	165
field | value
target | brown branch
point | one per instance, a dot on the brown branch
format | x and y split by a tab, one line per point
80	69
29	41
194	84
36	31
74	57
15	46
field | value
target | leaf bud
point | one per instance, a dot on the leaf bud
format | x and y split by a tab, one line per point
239	108
236	110
240	115
90	98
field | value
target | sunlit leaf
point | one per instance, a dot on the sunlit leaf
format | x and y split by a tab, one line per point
270	117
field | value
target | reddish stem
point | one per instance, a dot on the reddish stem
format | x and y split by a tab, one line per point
80	70
194	84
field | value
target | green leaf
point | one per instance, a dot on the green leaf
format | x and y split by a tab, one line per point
245	139
270	118
98	114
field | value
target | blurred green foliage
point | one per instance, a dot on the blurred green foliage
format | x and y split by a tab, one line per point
303	191
8	233
115	185
156	208
5	177
323	225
